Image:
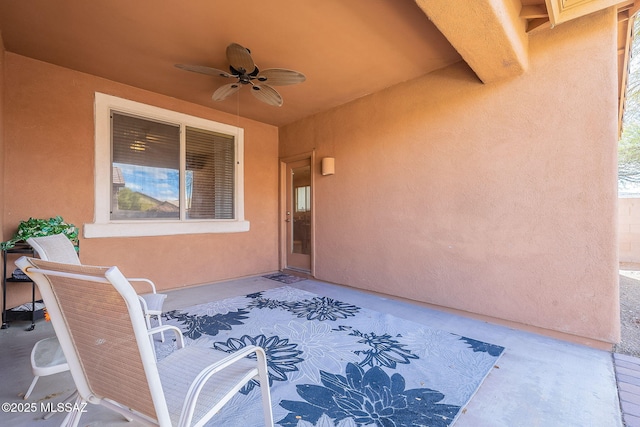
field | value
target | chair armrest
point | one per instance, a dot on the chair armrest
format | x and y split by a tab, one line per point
177	331
199	382
149	282
145	308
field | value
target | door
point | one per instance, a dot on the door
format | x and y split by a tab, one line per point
298	215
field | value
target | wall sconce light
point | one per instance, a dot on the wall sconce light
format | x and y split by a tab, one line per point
328	165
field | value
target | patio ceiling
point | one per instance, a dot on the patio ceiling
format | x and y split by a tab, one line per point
346	49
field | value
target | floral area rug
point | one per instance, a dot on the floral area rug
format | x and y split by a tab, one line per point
334	364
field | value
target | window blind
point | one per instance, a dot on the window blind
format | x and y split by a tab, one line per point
210	174
144	142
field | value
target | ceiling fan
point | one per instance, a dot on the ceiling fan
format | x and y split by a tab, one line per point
242	68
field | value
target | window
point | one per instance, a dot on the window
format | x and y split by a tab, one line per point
303	199
145	165
159	172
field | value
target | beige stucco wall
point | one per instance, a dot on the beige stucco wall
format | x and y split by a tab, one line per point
629	229
19	293
49	170
497	199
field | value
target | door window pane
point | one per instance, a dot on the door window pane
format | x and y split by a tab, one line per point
303	198
301	235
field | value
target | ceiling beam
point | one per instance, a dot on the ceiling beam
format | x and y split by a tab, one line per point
538	24
534	11
628	10
488	34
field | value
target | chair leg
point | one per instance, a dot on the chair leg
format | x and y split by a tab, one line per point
73	417
263	378
266	404
33	384
72	396
148	318
159	317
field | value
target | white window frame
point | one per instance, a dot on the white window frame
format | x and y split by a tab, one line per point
104	226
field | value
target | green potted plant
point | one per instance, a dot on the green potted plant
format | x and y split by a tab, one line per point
42	227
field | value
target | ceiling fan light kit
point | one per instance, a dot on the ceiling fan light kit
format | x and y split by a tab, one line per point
242	68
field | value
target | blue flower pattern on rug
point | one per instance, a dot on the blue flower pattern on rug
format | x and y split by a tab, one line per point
209	325
322	309
385	351
370	369
282	356
369	398
494	350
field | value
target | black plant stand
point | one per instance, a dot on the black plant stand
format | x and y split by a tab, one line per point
19	248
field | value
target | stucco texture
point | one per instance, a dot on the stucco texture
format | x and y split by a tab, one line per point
49	170
494	199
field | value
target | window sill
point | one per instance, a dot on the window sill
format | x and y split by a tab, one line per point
162	228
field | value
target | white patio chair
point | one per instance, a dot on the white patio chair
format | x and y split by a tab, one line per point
46	356
102	331
59	248
46	359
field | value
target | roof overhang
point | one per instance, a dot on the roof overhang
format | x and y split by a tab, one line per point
495	43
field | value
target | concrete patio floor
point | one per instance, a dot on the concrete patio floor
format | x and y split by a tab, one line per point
538	381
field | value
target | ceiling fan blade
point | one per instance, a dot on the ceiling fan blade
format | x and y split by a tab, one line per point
281	77
240	58
223	92
267	94
204	70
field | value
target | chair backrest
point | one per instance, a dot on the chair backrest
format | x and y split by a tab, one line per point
56	248
101	328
